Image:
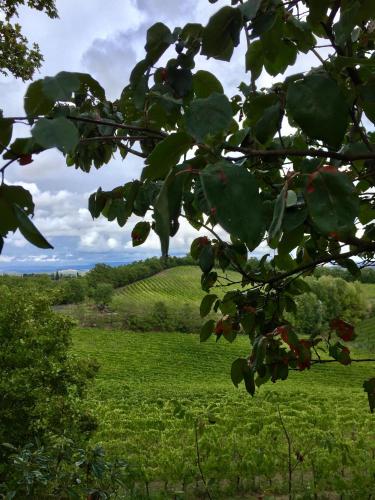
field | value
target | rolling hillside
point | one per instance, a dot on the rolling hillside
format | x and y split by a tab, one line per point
175	287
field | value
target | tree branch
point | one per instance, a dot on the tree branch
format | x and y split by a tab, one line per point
323	260
100	121
323	361
320	153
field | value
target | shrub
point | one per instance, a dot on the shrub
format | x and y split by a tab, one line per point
42	387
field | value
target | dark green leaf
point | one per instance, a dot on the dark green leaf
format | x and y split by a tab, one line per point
206	304
255	59
249	382
28	230
159	38
61	86
217	107
36	102
232	193
250	8
222	34
140	233
166	154
318	106
207	330
89	83
332	202
205	84
181	81
206	258
369	387
6	131
269	123
238	369
96	203
274	231
59	133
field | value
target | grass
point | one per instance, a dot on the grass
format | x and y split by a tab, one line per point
155	390
369	291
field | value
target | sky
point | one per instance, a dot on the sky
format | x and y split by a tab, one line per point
105	39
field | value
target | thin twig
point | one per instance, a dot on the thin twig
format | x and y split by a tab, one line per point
199	461
290	468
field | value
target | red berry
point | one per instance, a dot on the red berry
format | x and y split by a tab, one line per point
25	159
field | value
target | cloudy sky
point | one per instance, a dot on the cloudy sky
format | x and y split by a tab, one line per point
105	39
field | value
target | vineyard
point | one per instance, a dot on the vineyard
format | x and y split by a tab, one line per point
166	405
176	287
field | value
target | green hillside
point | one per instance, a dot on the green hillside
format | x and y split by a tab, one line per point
155	389
176	286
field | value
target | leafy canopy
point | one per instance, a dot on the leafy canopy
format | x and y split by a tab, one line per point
291	165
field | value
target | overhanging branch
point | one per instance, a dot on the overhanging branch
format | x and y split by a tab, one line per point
319	153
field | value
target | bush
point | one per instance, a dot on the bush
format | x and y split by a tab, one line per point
41	386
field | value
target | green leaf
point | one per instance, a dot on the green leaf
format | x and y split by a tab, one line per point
369	387
206	304
217	107
367	95
206	258
181	81
250	8
96	203
22	146
318	11
28	230
344	27
318	105
159	38
222	34
269	123
61	86
249	382
232	193
58	132
351	266
167	208
332	202
205	84
36	102
10	195
238	369
140	233
137	73
255	59
274	231
166	154
207	330
88	82
6	131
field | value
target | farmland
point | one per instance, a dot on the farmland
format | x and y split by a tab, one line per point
161	397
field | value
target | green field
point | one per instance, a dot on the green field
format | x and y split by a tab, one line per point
155	390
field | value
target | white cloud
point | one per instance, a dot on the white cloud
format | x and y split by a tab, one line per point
6	258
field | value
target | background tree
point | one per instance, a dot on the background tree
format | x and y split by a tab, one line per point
306	189
16	56
102	295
